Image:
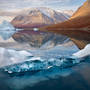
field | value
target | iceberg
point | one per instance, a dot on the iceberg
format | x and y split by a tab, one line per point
83	53
7	30
10	56
39	64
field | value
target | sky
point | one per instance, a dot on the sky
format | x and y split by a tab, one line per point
54	4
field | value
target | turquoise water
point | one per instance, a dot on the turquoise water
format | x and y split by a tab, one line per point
17	77
54	69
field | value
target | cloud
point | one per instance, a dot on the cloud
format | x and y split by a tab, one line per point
12	4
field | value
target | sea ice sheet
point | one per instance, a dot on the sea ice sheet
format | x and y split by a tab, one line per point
84	52
10	56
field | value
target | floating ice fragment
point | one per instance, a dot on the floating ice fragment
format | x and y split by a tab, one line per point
35	29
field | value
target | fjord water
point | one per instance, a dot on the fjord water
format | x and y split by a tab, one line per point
54	69
59	68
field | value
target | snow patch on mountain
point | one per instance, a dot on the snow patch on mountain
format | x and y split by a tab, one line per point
47	11
67	13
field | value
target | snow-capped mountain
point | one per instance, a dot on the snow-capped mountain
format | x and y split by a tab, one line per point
50	12
38	17
10	15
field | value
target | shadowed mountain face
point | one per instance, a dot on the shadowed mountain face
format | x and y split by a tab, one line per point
38	17
77	27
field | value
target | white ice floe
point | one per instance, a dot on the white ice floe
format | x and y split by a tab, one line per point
35	29
84	52
10	56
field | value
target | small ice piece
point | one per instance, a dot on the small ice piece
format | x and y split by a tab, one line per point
17	29
9	71
35	58
35	29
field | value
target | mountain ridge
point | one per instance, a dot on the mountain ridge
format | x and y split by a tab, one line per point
74	28
37	16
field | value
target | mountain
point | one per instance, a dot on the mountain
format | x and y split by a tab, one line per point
35	17
38	17
83	10
10	15
77	27
79	19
